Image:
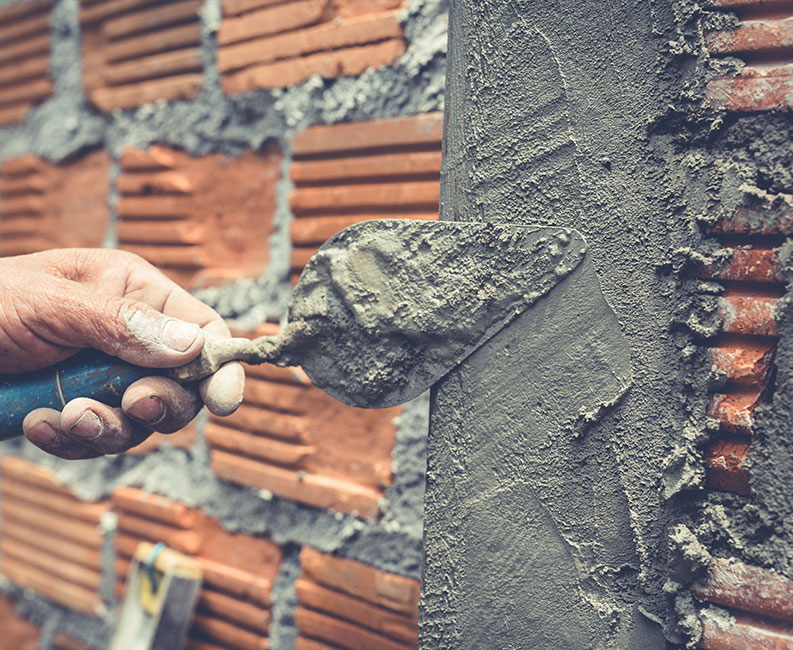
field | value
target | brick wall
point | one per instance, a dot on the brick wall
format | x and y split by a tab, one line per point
24	58
224	141
745	606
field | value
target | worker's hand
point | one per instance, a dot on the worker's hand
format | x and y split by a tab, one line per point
56	302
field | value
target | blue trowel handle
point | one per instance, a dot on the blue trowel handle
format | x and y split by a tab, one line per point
87	374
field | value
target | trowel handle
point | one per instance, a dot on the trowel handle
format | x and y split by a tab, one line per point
87	374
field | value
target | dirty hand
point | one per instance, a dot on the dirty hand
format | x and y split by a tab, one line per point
56	302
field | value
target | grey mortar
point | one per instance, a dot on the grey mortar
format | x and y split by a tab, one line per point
65	125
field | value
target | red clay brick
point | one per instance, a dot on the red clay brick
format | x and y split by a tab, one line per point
755	36
724	461
743	362
240	584
335	35
259	447
747	220
737	585
316	490
264	422
425	129
181	36
238	569
59	570
418	195
154	506
151	18
44	195
49	539
201	220
227	634
24	49
746	3
185	86
138	51
155	158
219	605
18	633
48	523
271	20
748	314
744	633
397	164
396	626
346	173
88	556
63	641
735	411
237	7
302	643
350	61
269	45
757	88
393	592
340	633
64	593
24	70
152	66
748	264
49	500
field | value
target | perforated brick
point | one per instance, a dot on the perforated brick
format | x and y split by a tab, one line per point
763	40
233	611
742	356
201	220
348	604
139	51
346	173
273	44
24	58
295	441
759	604
53	206
50	540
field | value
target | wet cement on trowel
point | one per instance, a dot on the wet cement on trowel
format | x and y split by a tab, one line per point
387	308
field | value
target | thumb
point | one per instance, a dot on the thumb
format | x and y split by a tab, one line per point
128	329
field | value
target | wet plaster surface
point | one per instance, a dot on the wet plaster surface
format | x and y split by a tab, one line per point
591	117
65	126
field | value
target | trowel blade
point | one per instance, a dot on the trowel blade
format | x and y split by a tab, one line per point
387	308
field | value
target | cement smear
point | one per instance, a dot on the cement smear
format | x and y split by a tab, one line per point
385	309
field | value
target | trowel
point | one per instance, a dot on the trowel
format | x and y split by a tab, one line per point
382	311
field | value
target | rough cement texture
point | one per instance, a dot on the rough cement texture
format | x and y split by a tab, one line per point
65	125
385	309
590	116
525	521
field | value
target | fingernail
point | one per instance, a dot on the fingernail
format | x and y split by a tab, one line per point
149	410
178	335
88	426
42	433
